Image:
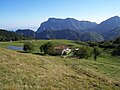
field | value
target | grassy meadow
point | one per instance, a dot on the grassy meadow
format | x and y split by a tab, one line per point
27	71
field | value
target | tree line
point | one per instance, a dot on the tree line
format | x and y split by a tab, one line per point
11	36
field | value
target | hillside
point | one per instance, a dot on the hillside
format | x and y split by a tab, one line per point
30	71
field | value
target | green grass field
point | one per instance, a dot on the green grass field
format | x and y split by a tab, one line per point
25	71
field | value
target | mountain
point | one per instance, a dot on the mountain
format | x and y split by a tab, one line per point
108	24
69	28
68	23
110	28
26	32
70	35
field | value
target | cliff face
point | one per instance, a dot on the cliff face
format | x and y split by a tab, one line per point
68	23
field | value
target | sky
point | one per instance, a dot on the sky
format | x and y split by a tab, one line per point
22	14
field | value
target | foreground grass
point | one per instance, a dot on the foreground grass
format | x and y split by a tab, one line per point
22	71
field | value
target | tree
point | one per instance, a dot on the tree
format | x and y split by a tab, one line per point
28	47
96	52
48	48
42	48
9	35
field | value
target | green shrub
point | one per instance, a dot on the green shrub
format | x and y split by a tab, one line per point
96	51
83	52
28	47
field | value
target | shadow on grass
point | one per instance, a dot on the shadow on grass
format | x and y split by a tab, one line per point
22	52
41	53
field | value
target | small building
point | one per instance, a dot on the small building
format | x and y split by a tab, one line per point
62	49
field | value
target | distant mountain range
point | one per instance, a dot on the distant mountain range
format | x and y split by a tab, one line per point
73	29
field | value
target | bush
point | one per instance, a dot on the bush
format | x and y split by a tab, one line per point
83	52
28	47
116	51
42	48
117	41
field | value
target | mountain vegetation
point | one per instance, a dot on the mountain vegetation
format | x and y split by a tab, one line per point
112	47
70	35
11	36
26	32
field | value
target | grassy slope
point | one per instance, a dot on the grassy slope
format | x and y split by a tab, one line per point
21	71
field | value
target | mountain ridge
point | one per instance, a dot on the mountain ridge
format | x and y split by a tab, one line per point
68	23
83	30
108	24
